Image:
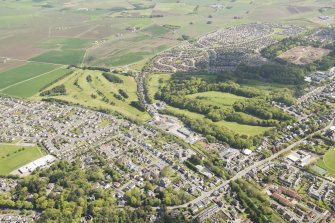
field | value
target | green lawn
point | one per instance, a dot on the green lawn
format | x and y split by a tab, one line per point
13	157
22	73
241	129
328	162
66	57
33	86
216	98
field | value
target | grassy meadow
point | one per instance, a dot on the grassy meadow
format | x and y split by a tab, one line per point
13	156
23	73
328	162
31	87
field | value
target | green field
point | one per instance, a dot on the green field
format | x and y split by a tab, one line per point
23	73
155	82
33	86
66	57
233	126
94	94
13	157
328	162
156	30
65	43
216	98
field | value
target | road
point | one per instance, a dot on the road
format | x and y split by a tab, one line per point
252	167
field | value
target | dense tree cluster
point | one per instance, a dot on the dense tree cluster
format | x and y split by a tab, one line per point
138	105
208	128
255	109
74	195
254	201
261	109
58	90
212	162
112	78
123	93
175	95
276	73
89	78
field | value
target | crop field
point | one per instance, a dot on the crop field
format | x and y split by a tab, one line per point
23	73
233	126
63	51
99	93
13	156
301	55
61	57
129	50
61	32
328	162
32	86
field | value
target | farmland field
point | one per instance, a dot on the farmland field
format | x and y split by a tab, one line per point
13	156
22	73
33	86
73	57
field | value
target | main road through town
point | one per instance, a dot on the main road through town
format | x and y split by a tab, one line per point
252	167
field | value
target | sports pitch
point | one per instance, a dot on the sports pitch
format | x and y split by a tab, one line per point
328	162
13	156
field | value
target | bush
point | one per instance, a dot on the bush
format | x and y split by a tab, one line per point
112	78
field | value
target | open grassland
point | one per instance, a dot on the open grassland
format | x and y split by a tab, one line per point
156	30
32	86
216	98
269	87
328	162
233	126
99	93
23	73
155	82
13	156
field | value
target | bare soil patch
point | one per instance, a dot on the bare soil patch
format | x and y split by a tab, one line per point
301	55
